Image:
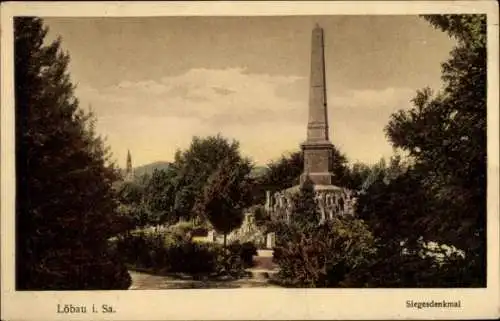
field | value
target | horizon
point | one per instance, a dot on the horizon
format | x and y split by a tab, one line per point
247	79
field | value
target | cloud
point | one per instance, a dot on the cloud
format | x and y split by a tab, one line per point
374	99
206	94
223	91
266	113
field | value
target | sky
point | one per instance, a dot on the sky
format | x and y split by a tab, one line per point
155	82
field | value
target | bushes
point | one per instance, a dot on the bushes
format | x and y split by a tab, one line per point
167	252
321	256
192	258
401	267
170	252
245	251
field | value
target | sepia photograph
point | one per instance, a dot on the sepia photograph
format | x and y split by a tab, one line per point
304	151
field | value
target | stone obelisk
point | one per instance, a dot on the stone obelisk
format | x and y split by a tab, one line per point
317	148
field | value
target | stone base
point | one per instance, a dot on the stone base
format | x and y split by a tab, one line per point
318	188
318	178
317	162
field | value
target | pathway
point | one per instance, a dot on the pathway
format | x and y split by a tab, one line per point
260	278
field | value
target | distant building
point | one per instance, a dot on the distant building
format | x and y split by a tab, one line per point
129	171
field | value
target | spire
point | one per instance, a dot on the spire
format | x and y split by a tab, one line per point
129	171
129	160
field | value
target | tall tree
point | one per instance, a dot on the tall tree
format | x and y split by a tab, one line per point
284	172
195	165
65	204
225	196
446	136
358	174
159	195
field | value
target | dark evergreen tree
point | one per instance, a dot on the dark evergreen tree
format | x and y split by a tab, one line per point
65	204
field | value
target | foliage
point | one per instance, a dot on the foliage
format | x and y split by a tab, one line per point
324	254
282	174
358	173
158	196
167	251
395	205
131	204
305	210
149	199
245	251
225	196
396	210
130	193
169	195
184	229
197	164
285	173
261	216
65	204
314	254
385	170
158	252
193	258
445	134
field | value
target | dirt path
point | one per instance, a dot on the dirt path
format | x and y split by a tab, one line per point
144	281
260	278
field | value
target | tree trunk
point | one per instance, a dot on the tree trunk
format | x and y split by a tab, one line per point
225	240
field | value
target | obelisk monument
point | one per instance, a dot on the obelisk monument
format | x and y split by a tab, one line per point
317	148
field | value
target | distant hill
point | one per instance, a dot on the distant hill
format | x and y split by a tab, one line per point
149	168
139	171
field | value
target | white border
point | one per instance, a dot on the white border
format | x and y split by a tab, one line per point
247	304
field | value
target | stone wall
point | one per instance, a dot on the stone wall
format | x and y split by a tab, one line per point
331	201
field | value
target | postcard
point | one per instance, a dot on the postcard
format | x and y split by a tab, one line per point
250	160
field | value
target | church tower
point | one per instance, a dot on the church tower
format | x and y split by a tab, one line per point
129	173
317	149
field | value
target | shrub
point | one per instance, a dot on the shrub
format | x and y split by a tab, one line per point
193	258
248	250
245	252
169	252
397	267
321	256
